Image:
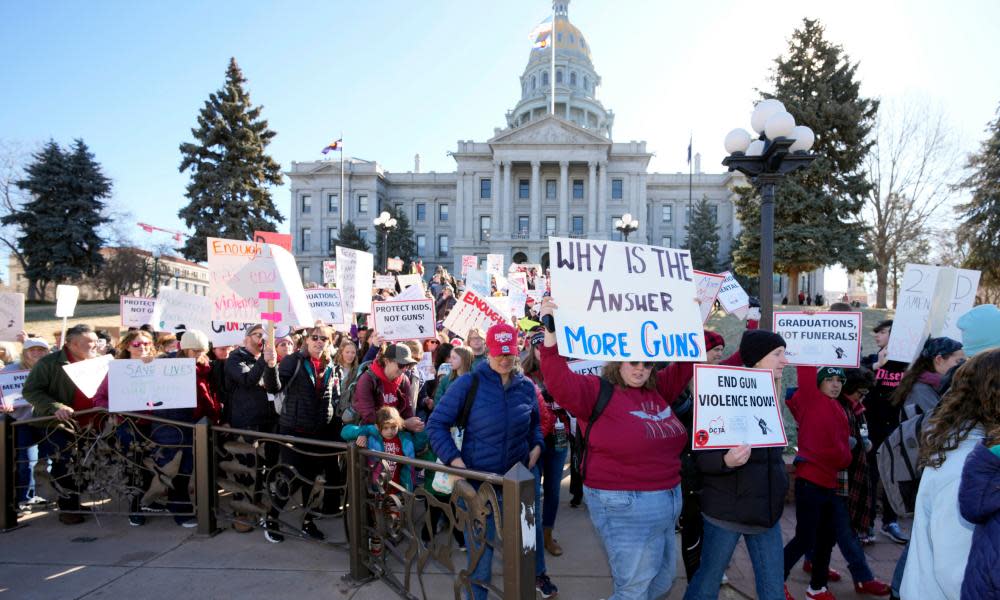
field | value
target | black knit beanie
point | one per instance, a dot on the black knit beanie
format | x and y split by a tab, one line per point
758	343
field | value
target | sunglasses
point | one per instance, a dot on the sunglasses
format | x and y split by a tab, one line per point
320	338
435	342
141	344
645	365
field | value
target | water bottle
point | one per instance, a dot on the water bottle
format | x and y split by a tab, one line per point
560	434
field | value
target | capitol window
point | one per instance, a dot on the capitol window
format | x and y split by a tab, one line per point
572	39
550	225
533	82
443	212
306	239
616	189
363	203
578	189
421	212
421	244
668	242
307	204
668	213
485	188
442	245
333	203
578	225
545	78
559	76
572	79
550	189
586	83
523	189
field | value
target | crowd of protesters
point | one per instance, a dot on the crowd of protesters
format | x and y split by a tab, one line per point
624	435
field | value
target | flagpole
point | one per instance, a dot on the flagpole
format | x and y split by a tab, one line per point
341	181
552	73
690	191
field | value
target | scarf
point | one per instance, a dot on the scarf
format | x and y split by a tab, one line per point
388	386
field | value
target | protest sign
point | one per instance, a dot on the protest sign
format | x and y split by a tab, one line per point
517	300
735	406
223	333
326	305
355	271
239	271
174	310
732	296
136	311
66	297
11	384
473	311
414	292
385	282
405	281
470	262
394	264
329	272
586	367
519	280
283	240
479	282
931	299
87	375
158	385
542	284
624	301
397	320
822	339
494	264
708	285
11	315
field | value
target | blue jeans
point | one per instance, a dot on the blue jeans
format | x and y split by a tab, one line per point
483	570
717	550
637	529
25	456
539	536
897	574
553	462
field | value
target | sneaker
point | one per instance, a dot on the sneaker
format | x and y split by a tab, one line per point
894	533
545	587
271	533
823	594
187	523
873	587
831	574
788	595
309	528
136	520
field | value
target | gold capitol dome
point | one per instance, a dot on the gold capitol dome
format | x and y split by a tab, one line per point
568	37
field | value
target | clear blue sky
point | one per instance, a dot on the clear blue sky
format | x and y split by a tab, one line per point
400	77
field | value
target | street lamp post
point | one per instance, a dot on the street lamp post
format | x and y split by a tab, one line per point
783	147
385	223
626	225
156	272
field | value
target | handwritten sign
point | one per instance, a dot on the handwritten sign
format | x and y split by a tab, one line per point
329	272
355	271
518	298
406	281
398	320
624	301
159	385
11	315
931	300
470	262
586	367
240	270
822	339
479	282
733	297
394	264
494	264
326	305
283	240
414	292
385	282
224	333
87	375
11	384
66	297
708	285
136	311
519	280
734	406
473	311
174	310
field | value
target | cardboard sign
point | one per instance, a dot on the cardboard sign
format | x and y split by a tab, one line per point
623	301
517	300
355	272
398	320
733	297
931	299
406	281
414	292
586	367
11	384
823	339
136	311
87	375
66	297
11	315
326	305
159	385
494	264
708	285
223	333
478	282
473	311
470	262
174	310
329	272
385	282
283	240
735	406
239	271
394	264
518	280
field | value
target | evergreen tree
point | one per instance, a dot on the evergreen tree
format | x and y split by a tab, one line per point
350	237
816	210
59	237
230	171
401	241
703	237
979	230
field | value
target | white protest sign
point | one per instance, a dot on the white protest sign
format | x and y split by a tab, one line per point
174	310
11	315
394	264
11	384
66	297
586	367
398	320
517	300
733	297
355	271
470	262
479	282
494	264
502	304
136	311
931	300
624	301
405	281
87	375
240	270
414	292
326	305
822	339
708	285
329	272
222	333
518	279
734	406
385	282
161	384
473	311
542	284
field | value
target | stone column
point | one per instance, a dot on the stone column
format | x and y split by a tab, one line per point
642	204
592	197
495	198
603	224
563	197
508	202
460	206
536	201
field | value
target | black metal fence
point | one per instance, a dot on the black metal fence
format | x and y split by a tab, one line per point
397	529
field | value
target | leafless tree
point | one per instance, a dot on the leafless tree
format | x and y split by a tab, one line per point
13	157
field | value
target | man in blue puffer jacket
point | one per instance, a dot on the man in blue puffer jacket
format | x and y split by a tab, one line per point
503	427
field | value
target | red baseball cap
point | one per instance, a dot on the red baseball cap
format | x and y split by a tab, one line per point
501	339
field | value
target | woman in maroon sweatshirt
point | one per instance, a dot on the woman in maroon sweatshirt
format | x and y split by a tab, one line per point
631	474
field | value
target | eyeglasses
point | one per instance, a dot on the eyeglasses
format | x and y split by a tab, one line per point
435	342
320	338
257	336
644	365
141	344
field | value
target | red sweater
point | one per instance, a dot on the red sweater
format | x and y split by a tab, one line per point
637	442
672	380
824	447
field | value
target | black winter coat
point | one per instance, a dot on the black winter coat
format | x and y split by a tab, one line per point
753	494
248	403
304	408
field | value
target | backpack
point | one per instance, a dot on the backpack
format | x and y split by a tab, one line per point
898	465
279	399
345	404
603	397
